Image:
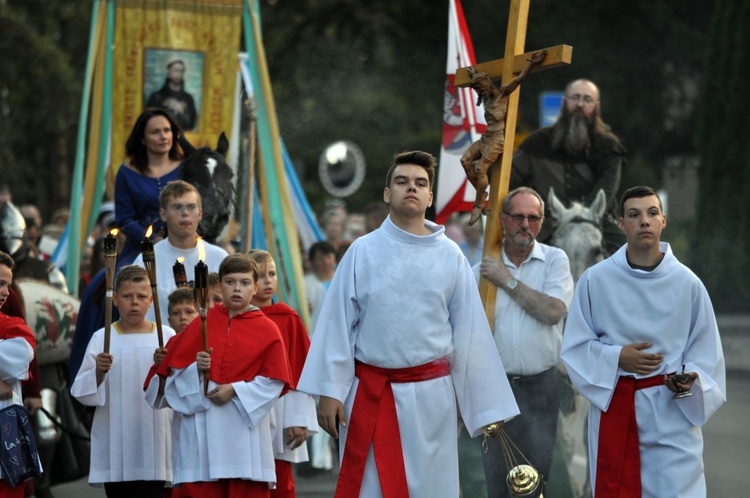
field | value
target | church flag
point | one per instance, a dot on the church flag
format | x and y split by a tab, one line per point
181	56
463	122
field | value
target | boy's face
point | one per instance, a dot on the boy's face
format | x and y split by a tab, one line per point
181	314
267	282
237	290
182	215
133	300
214	296
643	221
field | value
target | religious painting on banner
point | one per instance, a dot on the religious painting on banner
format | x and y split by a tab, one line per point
179	56
463	122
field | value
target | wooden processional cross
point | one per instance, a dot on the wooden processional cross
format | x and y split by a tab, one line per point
500	171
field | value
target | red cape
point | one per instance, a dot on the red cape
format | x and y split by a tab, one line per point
244	347
294	335
11	327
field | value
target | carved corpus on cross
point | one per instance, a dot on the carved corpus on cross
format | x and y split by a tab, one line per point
500	171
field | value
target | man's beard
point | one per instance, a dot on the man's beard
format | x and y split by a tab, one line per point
572	135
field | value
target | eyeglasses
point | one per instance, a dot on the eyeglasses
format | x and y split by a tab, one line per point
179	208
586	99
518	218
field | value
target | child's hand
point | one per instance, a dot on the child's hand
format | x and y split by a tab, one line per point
203	359
220	395
295	436
159	355
104	362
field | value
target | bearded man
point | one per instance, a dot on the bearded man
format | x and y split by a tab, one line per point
576	156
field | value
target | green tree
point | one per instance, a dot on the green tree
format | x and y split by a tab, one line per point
721	233
43	49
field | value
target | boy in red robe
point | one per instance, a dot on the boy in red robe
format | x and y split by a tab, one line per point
224	442
295	411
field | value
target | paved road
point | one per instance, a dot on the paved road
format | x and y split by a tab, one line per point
727	438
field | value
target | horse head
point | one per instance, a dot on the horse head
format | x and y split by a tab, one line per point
579	231
208	171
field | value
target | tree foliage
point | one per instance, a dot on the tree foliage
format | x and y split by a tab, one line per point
373	72
722	229
42	48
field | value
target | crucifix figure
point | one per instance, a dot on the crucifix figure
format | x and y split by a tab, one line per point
478	158
499	173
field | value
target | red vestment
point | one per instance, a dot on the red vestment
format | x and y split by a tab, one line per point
245	346
294	335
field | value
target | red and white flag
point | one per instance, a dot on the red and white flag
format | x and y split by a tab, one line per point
463	122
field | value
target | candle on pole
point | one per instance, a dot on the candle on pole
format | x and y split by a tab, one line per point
178	270
110	256
149	261
201	297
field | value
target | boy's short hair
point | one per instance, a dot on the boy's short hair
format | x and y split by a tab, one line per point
418	158
260	257
322	247
180	296
130	273
238	263
176	189
6	260
213	279
637	192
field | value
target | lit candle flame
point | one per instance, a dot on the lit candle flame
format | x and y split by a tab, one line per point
201	250
149	231
114	232
181	259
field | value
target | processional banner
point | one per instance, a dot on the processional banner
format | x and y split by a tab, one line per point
179	55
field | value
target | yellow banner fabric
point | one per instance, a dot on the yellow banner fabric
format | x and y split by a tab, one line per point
178	55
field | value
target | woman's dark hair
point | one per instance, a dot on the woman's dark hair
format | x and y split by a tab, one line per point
136	150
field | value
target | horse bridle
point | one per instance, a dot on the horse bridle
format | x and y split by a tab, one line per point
597	224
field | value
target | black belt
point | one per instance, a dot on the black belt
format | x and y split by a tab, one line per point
517	380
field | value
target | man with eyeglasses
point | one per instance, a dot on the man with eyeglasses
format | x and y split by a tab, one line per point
577	156
181	211
535	289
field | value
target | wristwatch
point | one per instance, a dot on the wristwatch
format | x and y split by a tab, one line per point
512	284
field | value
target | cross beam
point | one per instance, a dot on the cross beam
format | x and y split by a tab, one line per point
557	56
500	170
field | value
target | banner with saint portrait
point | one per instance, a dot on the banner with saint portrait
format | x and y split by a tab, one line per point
177	55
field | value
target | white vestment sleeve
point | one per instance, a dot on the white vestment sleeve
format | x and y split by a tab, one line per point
704	355
299	411
329	367
15	355
592	365
84	388
152	396
255	398
184	391
482	388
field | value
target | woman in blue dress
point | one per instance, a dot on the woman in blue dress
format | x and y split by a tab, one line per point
154	159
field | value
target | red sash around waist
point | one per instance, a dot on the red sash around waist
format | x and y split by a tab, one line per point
618	463
374	421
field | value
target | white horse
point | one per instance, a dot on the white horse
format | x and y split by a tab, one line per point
579	231
579	234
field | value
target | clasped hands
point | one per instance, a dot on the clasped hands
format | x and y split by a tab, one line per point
634	360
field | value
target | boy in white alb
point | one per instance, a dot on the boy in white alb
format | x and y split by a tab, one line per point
181	211
130	442
401	338
637	318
